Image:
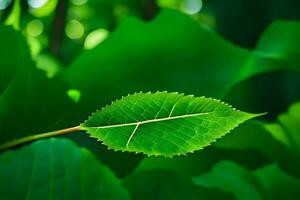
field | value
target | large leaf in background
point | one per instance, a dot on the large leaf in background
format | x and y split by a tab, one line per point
268	182
30	103
276	49
172	52
164	184
56	169
14	54
279	43
163	123
278	184
287	131
232	178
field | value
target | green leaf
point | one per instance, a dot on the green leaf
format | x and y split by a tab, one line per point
232	178
278	43
278	184
287	131
14	17
163	123
14	54
164	184
277	57
56	169
276	50
268	182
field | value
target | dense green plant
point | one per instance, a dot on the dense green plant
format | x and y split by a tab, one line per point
63	62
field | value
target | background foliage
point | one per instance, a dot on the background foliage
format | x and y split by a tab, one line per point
62	60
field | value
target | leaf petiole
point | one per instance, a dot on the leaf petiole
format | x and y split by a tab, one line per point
36	137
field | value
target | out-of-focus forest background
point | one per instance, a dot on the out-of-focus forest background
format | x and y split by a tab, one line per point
61	60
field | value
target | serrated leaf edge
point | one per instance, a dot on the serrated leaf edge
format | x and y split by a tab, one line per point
155	154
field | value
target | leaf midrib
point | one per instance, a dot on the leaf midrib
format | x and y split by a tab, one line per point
147	121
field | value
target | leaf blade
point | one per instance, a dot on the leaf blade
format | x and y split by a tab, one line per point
74	174
163	123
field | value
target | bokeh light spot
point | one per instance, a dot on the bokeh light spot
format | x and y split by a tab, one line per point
35	28
4	4
37	3
48	63
95	37
74	95
34	45
191	6
74	29
79	2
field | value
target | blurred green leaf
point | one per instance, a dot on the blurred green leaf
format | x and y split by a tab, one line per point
14	17
49	64
232	178
14	54
276	52
276	49
56	169
163	184
268	182
271	72
276	41
287	130
278	184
